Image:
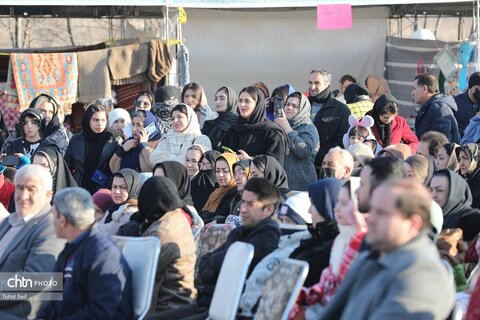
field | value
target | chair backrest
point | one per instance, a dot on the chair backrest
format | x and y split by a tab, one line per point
142	257
281	290
211	239
230	281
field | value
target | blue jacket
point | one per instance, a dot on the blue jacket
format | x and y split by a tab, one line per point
472	131
437	115
100	286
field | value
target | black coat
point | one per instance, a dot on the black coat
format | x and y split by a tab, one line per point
75	158
332	123
223	209
264	237
268	138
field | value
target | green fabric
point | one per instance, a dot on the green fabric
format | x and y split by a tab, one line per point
459	276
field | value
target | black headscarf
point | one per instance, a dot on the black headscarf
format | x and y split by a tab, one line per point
275	173
61	176
228	118
459	198
356	92
94	146
157	196
384	130
133	183
54	123
176	172
204	182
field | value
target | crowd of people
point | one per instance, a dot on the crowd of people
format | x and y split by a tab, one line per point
334	178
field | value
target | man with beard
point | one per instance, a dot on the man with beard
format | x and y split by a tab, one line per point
329	115
468	102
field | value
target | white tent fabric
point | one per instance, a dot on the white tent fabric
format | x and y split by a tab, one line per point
238	48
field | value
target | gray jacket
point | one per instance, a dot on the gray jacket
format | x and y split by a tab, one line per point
303	144
34	249
408	283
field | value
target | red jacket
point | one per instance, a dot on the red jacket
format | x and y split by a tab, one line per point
400	132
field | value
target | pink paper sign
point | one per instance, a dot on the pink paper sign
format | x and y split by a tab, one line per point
334	16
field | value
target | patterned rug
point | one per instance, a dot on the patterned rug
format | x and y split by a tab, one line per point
55	74
9	101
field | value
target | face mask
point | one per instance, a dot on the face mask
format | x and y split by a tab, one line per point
326	173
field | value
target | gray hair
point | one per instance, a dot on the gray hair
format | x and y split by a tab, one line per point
347	158
327	77
76	205
35	171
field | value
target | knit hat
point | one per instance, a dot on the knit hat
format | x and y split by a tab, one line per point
474	80
167	93
103	199
353	91
296	208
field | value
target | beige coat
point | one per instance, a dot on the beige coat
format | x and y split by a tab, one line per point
174	280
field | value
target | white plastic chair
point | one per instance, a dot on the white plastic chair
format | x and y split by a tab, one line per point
142	257
281	290
231	279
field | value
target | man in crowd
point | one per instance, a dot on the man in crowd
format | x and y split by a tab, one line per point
430	144
259	202
345	81
27	240
329	115
339	162
436	111
96	277
468	102
401	276
377	171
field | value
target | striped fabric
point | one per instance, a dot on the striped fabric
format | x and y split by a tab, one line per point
127	93
401	59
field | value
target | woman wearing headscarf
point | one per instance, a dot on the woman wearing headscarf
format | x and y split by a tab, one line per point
447	157
120	123
194	96
453	195
218	204
166	98
312	245
52	159
346	246
135	152
268	167
303	141
125	189
160	204
185	132
178	174
89	152
31	127
241	173
254	134
204	182
144	101
54	131
390	128
279	95
226	106
469	162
